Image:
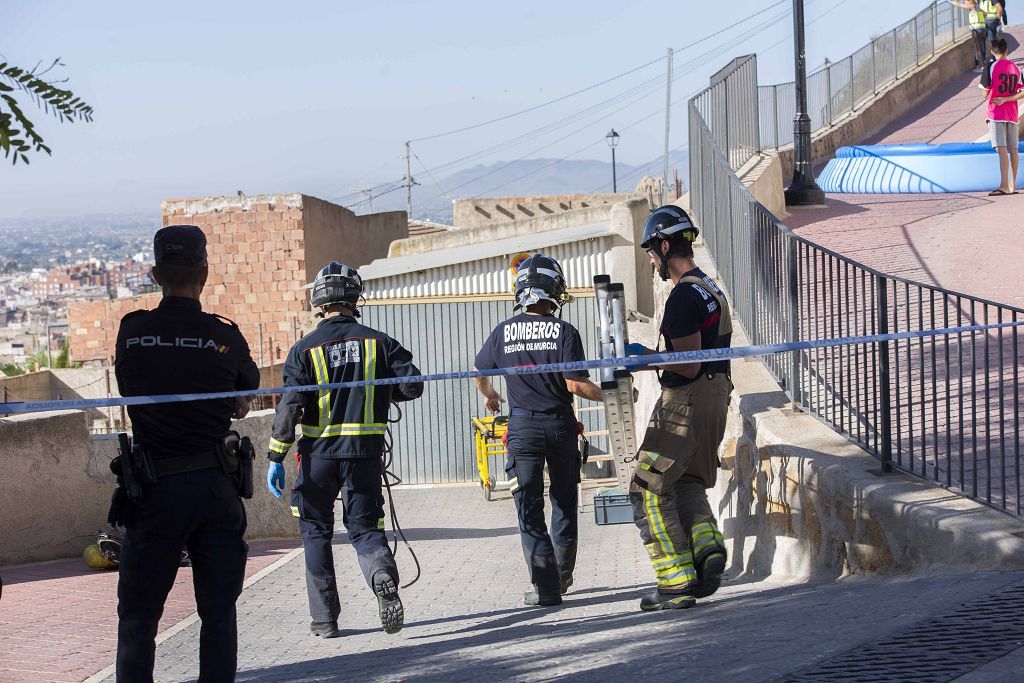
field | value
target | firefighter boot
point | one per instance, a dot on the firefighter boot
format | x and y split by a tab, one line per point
537	599
392	614
665	600
709	558
565	558
324	629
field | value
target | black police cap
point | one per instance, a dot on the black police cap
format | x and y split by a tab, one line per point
183	245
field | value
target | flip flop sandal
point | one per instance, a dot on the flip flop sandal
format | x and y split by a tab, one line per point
997	193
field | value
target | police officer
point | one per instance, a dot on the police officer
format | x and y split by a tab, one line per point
177	348
542	426
678	458
341	446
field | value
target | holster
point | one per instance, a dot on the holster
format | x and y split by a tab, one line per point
236	455
132	467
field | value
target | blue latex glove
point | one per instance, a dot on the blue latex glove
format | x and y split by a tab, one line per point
635	349
275	478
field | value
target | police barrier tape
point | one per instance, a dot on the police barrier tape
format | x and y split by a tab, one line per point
631	362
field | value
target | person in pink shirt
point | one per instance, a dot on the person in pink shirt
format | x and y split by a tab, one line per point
1003	88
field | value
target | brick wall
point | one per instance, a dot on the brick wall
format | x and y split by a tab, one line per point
260	252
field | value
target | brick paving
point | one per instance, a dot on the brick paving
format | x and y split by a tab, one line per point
957	403
58	620
464	621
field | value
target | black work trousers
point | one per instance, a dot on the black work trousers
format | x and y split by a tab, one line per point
199	510
317	486
533	441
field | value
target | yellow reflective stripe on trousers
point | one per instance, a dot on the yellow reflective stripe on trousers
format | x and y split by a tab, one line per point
279	446
369	372
345	429
657	524
322	377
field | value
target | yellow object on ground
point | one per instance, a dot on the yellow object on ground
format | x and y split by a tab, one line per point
94	558
487	439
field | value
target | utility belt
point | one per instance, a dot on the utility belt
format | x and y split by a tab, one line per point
567	411
136	467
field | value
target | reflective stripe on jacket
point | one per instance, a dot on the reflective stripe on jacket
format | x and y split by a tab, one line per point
341	423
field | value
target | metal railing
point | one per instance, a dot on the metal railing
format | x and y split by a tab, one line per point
841	87
945	408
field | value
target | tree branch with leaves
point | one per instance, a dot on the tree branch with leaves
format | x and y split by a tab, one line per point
18	135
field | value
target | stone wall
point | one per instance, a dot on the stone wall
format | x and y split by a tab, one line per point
59	486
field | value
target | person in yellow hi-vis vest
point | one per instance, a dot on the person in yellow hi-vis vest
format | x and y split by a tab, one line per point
983	16
342	444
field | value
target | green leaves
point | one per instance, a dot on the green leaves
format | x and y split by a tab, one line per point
18	135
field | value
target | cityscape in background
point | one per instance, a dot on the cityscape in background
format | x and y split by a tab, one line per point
47	263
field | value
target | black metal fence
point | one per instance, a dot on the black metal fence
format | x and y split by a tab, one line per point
945	408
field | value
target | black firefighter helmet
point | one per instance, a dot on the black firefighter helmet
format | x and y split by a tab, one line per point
540	278
336	283
667	223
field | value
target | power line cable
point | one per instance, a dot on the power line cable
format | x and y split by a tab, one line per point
683	69
562	98
646	88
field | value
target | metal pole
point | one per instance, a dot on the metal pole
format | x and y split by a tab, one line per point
917	44
885	398
895	58
793	282
874	72
260	326
49	354
110	412
828	90
615	184
668	111
775	113
408	180
803	191
273	375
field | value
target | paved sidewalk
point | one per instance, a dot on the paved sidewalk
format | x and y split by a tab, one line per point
58	620
465	622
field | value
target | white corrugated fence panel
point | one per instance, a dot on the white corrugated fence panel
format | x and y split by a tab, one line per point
580	260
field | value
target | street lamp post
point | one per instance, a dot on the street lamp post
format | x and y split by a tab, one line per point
803	191
613	142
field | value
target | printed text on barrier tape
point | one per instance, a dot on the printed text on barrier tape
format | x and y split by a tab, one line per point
632	362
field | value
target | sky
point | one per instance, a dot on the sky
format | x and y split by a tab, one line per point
207	98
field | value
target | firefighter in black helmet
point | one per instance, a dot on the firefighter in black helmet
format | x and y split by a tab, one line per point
341	445
678	458
542	426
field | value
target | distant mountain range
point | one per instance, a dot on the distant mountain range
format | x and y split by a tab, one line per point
432	200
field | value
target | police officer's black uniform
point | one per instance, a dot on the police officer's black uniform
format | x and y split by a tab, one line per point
542	430
340	448
177	348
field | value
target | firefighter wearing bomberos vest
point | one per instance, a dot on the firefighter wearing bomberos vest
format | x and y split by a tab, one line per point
341	445
542	426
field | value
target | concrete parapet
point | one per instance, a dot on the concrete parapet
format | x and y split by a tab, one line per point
59	486
764	178
485	211
497	231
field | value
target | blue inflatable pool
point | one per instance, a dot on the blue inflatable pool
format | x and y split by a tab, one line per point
914	169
